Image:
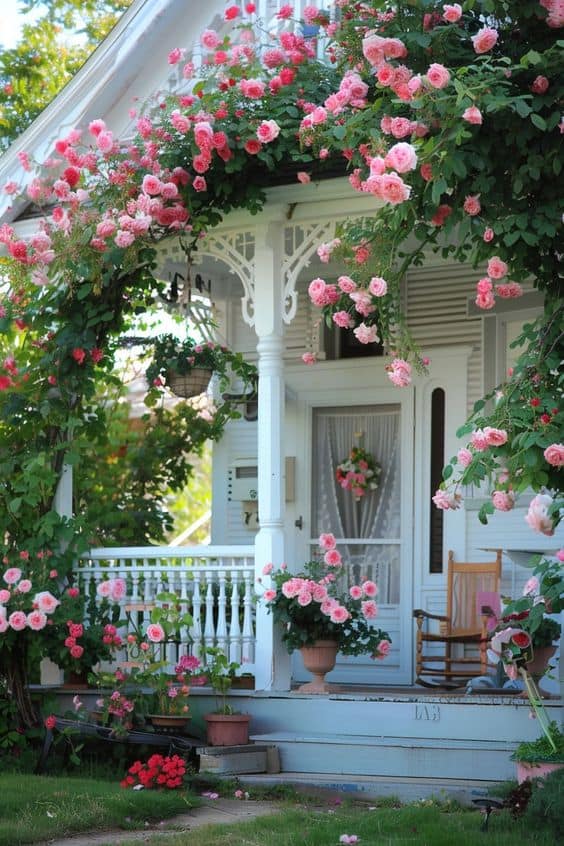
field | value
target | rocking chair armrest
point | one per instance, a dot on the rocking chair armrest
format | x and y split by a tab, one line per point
418	612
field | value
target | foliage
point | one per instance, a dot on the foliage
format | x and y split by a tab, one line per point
160	772
317	605
545	809
541	750
220	672
46	58
524	625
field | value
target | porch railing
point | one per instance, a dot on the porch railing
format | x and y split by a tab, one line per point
215	584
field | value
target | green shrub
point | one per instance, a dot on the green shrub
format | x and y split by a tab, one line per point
545	809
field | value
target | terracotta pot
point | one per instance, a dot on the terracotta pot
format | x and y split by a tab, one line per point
243	683
539	662
228	729
177	721
526	770
76	681
319	659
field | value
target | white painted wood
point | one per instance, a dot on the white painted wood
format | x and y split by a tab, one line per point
63	495
357	382
272	667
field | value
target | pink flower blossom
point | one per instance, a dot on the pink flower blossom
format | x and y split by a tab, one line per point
485	39
538	517
210	39
5	596
383	650
17	621
532	587
309	358
304	598
488	235
343	319
495	437
45	601
497	268
447	500
339	614
369	609
24	586
175	56
348	839
12	575
366	334
472	205
472	115
503	500
355	592
267	131
401	157
155	633
540	85
373	49
118	589
269	595
327	541
399	372
303	177
369	588
464	457
346	284
509	290
36	620
453	13
378	287
333	558
438	76
267	569
554	455
393	189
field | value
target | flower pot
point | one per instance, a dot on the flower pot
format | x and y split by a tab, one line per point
189	384
228	729
243	683
526	770
319	659
539	662
176	721
76	681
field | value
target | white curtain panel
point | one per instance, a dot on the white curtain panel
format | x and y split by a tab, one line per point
376	516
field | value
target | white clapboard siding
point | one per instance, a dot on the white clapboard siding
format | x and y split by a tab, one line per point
436	301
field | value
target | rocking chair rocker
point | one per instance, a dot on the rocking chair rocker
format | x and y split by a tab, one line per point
472	594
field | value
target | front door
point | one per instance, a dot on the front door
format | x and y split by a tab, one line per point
374	533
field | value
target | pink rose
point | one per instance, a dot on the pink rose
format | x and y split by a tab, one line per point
267	569
45	601
343	319
497	268
383	649
346	284
472	115
210	39
267	131
17	621
155	633
488	235
369	588
366	334
327	541
339	614
5	596
472	205
373	49
503	500
401	157
76	651
531	587
303	177
355	592
438	76
554	455
479	440
393	189
464	457
309	358
485	39
333	558
495	437
369	609
36	620
452	14
304	598
12	575
540	85
537	516
118	589
399	372
269	595
447	500
199	184
509	290
378	287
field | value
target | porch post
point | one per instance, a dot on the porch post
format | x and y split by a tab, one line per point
272	661
63	495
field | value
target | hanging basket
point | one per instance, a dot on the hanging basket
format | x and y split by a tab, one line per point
189	384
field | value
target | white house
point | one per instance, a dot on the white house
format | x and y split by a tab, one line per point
273	479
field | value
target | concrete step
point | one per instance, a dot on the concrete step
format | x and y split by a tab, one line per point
396	757
335	785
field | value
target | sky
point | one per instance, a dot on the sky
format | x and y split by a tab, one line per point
10	22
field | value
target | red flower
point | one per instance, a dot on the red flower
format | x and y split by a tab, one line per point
521	639
79	355
50	722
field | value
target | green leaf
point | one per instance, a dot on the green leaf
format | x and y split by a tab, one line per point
538	121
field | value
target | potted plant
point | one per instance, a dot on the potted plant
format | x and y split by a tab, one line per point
169	703
225	727
321	616
186	366
538	758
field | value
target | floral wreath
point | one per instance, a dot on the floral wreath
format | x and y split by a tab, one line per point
359	473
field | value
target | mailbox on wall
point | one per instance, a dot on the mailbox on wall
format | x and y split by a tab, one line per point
242	480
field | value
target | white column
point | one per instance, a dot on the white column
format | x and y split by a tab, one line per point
63	495
272	663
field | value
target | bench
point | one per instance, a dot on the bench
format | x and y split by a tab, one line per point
173	744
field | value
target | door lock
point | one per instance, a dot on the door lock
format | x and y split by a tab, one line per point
299	523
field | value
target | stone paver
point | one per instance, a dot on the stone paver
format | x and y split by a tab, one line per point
211	812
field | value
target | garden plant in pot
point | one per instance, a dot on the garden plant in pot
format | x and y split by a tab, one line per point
322	614
225	727
538	758
524	641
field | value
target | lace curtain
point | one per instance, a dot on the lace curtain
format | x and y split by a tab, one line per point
377	514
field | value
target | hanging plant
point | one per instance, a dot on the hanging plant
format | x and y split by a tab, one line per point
359	473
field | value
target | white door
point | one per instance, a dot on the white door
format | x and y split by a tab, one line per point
374	535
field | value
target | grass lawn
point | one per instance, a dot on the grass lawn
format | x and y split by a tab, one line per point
375	826
38	808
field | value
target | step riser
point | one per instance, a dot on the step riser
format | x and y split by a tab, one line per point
395	761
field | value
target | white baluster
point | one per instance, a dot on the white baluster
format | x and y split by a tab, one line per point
221	631
235	628
196	628
248	644
209	628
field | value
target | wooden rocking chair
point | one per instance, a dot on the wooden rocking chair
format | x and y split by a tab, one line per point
472	591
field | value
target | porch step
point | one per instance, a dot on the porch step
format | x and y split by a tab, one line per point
377	787
403	757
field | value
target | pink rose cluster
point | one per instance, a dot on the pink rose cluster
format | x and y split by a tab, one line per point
17	593
114	589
